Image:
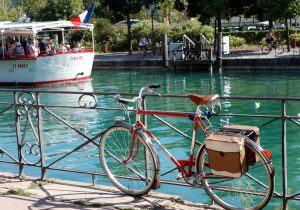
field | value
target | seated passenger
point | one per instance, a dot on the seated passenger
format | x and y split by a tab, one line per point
43	47
50	47
19	50
11	49
2	50
31	50
24	45
61	49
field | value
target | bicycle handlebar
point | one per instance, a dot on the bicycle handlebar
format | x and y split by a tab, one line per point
144	89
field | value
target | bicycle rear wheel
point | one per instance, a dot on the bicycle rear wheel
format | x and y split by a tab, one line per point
265	49
252	190
279	49
137	175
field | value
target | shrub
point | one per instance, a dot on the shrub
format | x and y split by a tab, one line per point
235	41
116	35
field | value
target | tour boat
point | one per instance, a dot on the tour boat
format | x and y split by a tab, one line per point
69	58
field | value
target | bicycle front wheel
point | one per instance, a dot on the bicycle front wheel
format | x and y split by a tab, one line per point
252	190
279	49
131	170
265	49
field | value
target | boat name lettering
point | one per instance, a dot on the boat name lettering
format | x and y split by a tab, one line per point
76	58
20	66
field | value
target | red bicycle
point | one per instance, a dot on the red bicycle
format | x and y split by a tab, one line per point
131	163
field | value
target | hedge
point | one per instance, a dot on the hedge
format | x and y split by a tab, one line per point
258	37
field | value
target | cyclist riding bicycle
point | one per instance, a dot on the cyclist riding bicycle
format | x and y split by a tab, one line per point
270	36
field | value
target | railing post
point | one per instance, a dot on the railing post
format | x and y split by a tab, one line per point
283	152
40	136
18	134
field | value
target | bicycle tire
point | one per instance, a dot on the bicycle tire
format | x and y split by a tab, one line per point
279	49
252	190
265	49
133	177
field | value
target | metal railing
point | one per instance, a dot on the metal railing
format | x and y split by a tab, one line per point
28	111
199	51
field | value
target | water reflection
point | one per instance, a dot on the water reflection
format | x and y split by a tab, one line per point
60	139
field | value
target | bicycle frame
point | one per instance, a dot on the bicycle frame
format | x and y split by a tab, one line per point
180	164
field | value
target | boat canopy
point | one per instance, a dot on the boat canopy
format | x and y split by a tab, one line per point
40	26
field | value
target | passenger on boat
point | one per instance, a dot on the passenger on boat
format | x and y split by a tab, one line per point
19	50
24	45
77	48
2	50
61	49
12	49
31	50
50	47
42	47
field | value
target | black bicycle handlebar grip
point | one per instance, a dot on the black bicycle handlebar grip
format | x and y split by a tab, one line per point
122	101
154	86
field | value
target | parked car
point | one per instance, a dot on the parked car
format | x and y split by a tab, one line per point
248	28
132	21
230	29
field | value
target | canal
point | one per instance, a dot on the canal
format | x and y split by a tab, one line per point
228	83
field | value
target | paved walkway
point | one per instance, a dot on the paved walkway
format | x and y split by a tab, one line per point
243	53
29	194
125	56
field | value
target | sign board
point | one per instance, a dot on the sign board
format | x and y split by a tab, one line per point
226	45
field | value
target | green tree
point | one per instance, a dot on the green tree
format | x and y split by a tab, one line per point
60	10
68	9
172	9
10	11
123	9
30	7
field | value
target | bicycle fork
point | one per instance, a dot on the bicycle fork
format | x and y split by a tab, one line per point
133	154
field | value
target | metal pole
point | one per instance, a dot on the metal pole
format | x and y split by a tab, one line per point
63	37
93	40
18	135
152	14
283	154
2	41
40	136
165	55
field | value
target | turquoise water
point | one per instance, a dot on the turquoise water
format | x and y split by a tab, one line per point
59	139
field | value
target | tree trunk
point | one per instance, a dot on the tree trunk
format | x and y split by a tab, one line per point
129	34
287	35
215	39
271	23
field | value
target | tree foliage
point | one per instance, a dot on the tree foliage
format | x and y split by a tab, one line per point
60	10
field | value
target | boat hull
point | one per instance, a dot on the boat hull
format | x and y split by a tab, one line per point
64	67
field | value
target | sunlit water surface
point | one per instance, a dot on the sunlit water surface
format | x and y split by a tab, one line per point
60	139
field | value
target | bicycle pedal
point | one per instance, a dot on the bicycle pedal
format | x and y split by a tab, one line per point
179	176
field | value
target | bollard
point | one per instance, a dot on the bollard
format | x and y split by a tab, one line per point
165	51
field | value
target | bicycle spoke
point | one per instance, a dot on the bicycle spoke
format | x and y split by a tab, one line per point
126	165
135	176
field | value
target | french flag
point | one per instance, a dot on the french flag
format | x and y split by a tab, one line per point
83	17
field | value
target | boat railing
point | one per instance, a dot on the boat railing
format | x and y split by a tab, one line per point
15	56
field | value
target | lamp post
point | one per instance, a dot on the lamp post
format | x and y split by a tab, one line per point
152	9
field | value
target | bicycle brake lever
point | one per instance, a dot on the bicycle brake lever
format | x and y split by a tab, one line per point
155	93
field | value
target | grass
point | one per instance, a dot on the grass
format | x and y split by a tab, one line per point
177	199
86	203
36	184
17	192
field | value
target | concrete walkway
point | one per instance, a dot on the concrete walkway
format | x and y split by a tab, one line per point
30	194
